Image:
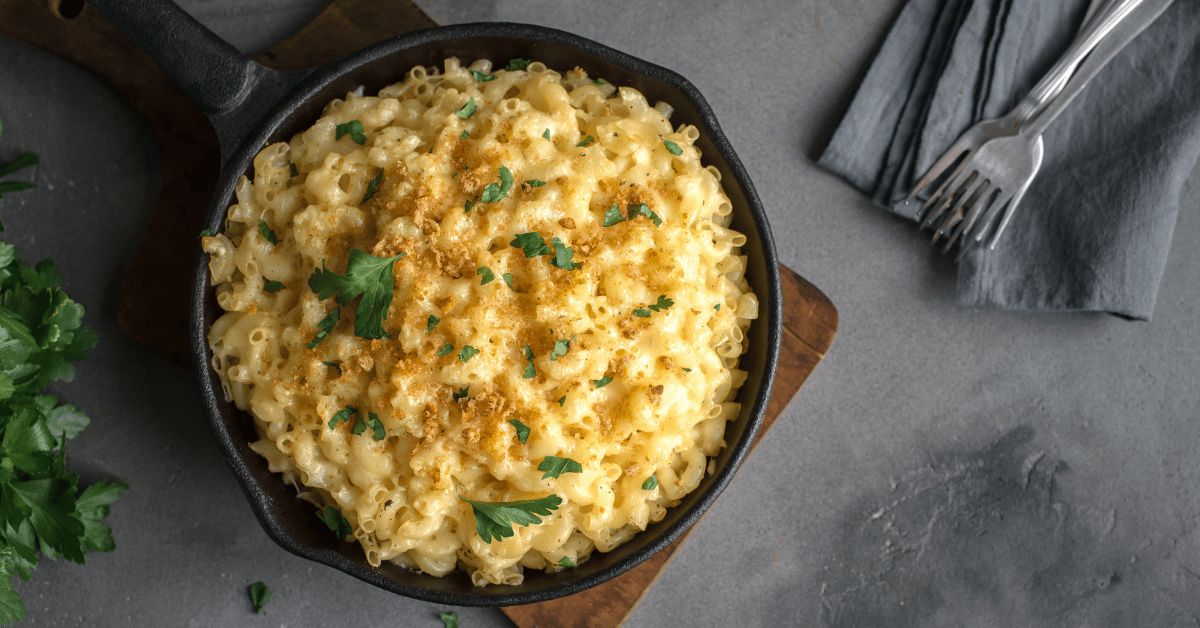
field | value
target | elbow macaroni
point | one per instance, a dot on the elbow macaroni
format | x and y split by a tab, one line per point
448	431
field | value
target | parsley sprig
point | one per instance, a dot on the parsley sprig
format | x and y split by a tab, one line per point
494	520
555	466
354	129
367	276
41	507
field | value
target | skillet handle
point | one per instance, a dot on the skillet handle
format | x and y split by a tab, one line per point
231	89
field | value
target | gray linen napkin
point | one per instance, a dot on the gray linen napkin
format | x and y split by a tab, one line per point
1093	231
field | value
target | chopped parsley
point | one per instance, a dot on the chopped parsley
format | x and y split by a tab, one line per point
546	134
508	279
494	520
601	383
493	192
266	232
464	136
295	172
562	400
672	147
259	596
487	274
467	353
598	82
642	313
566	562
461	394
207	233
372	187
342	416
560	349
450	620
535	183
717	307
530	370
336	522
482	77
651	483
563	255
325	326
467	109
662	303
687	370
354	129
522	430
613	216
469	204
644	210
515	65
377	430
367	276
359	428
272	286
431	322
587	141
532	243
555	466
446	349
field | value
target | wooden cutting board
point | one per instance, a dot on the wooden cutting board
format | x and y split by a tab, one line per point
153	305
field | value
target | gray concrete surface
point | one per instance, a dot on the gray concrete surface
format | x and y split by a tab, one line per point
944	466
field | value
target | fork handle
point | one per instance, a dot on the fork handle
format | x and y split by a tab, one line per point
1093	32
1123	32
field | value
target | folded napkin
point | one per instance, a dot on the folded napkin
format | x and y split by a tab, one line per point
1092	232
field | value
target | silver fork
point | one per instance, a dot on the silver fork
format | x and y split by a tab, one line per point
990	167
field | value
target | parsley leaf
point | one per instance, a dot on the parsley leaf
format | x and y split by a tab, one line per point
464	136
266	232
613	216
532	243
651	483
508	279
587	141
546	134
601	383
517	64
522	430
482	77
354	129
295	172
469	204
662	303
495	519
336	522
687	370
377	430
566	562
530	371
562	400
359	427
367	276
672	147
446	349
342	416
25	160
643	210
560	349
555	466
717	307
535	183
206	233
372	187
487	274
467	109
449	620
259	596
272	286
642	313
431	323
467	353
493	192
563	255
325	326
462	393
599	82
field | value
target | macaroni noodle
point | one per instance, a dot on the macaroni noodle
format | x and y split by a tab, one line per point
567	268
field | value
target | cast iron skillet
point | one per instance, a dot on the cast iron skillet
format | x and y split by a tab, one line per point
252	106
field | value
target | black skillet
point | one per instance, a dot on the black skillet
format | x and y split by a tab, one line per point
251	107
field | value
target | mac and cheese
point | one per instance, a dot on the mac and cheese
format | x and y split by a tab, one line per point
567	268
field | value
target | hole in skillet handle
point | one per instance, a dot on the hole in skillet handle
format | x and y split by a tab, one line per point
67	9
292	522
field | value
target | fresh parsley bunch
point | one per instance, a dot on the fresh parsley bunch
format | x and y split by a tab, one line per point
41	507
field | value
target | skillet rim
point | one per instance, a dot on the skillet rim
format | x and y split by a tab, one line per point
266	511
